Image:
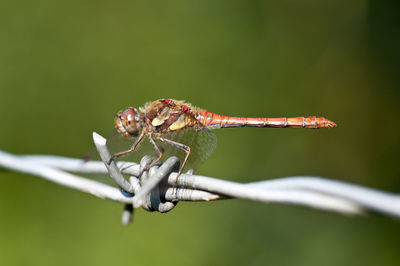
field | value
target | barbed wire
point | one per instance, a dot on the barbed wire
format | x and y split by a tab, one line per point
160	189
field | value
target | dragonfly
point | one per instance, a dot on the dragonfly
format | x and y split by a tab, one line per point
165	119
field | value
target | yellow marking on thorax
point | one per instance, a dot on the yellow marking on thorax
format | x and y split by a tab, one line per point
157	122
160	119
178	124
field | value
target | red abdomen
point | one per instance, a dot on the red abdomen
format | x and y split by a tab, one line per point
211	121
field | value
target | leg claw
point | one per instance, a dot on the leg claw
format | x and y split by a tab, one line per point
110	161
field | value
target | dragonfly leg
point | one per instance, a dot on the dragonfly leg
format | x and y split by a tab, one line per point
131	149
180	146
158	150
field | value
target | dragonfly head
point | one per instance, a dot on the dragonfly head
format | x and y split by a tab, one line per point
128	123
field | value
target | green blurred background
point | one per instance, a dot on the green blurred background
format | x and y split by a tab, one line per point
67	67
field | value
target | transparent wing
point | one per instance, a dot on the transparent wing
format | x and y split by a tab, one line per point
118	143
202	143
115	142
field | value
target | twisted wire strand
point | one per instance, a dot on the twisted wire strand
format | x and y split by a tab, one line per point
160	190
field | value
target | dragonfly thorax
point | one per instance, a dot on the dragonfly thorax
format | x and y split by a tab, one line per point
128	123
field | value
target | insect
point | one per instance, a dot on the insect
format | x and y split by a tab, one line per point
162	118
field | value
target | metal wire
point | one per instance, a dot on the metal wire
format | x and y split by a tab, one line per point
159	189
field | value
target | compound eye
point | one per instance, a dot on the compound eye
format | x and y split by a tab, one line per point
129	114
127	123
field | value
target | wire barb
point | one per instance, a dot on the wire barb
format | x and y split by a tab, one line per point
159	189
101	145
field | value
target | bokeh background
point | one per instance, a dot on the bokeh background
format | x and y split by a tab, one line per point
67	67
